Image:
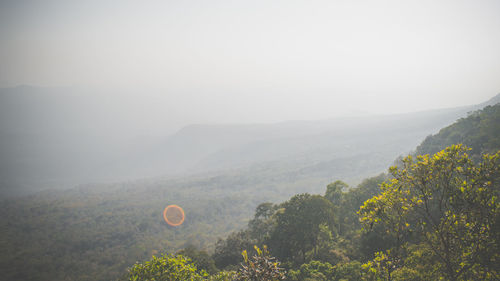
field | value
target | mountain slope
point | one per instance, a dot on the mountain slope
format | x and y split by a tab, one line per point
62	138
95	231
306	145
480	131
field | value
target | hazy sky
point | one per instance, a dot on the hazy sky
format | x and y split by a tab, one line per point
259	61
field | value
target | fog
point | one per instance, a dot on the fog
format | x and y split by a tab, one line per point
257	61
269	122
97	90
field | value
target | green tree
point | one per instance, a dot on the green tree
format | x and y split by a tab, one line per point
347	218
318	271
165	268
228	251
260	267
452	203
200	258
260	227
298	225
314	270
334	191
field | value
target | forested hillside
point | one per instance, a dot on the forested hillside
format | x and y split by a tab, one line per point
434	217
94	232
479	131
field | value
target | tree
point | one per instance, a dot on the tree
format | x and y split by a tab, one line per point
319	271
335	190
200	258
261	225
260	267
347	218
452	203
298	225
165	268
228	251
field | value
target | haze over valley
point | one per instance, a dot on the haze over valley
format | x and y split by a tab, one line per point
260	140
56	138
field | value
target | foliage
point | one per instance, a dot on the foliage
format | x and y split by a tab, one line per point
262	224
260	267
95	231
173	268
228	251
223	276
165	268
351	271
347	217
297	227
318	221
335	190
314	270
479	131
451	203
317	270
436	217
200	258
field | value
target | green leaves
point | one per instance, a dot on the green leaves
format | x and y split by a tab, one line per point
451	202
260	267
479	131
166	267
298	225
173	268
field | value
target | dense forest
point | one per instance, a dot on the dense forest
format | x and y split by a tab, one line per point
432	217
480	131
376	230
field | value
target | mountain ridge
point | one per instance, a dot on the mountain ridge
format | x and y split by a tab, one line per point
48	141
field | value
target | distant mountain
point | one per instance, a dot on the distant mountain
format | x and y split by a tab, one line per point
324	147
60	137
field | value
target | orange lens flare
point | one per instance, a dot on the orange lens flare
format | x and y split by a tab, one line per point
173	215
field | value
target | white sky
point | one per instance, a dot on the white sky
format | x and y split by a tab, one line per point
259	61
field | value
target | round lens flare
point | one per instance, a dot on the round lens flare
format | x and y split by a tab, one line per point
173	215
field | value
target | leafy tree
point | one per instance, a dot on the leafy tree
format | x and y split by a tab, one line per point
260	267
223	276
334	191
327	248
346	213
419	265
298	226
165	268
200	258
451	203
261	225
351	271
314	270
228	251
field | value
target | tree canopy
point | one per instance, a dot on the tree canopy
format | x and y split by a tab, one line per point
447	204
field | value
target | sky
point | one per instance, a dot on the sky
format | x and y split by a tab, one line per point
258	61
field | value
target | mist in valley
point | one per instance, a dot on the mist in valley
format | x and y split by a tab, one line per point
112	110
100	92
